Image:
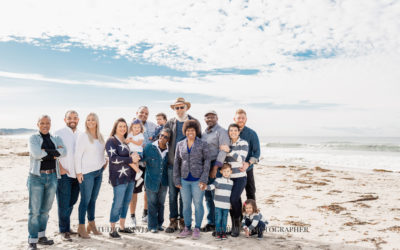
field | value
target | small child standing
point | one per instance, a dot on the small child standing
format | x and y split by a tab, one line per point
161	121
223	188
135	140
252	220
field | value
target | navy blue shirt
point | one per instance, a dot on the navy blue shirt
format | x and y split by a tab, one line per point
251	137
179	133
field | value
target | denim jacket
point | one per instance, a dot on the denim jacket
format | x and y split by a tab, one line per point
197	162
156	167
36	153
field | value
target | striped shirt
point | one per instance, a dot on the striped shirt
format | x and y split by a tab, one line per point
237	156
254	218
223	187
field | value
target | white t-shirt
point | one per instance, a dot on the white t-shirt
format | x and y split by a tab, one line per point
134	147
69	138
89	156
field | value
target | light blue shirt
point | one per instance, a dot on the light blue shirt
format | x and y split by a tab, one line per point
36	153
149	131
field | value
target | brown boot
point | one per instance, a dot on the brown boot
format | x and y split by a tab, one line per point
173	225
91	227
82	232
181	224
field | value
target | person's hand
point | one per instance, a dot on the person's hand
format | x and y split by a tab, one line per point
63	171
225	148
79	177
60	147
106	164
151	138
202	186
213	172
178	186
244	167
135	157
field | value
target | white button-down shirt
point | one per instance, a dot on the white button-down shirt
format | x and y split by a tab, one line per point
69	138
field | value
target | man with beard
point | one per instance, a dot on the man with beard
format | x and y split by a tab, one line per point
253	155
215	136
175	124
68	186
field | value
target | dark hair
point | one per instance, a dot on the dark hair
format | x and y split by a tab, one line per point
114	129
226	165
233	125
192	124
252	203
163	115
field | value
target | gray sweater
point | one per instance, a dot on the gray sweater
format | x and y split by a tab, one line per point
197	162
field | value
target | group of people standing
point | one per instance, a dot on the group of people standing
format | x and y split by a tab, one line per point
172	157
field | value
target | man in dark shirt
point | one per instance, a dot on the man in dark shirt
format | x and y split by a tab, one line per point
180	106
253	155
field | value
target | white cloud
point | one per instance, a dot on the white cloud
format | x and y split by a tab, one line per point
215	34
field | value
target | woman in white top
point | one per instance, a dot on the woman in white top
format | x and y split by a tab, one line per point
90	163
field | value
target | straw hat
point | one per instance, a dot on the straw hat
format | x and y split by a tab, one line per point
180	100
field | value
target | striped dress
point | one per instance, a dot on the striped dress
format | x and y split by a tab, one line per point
223	187
237	156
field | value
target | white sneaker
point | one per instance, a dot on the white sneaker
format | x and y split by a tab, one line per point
133	222
138	182
144	219
138	175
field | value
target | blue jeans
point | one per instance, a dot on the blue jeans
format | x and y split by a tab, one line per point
155	203
122	197
90	188
236	202
191	192
221	219
42	190
67	196
173	197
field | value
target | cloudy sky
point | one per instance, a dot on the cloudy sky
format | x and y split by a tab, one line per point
300	68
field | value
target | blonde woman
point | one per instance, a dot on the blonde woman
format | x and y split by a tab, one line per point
90	163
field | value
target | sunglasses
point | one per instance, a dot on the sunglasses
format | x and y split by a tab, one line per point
178	108
166	137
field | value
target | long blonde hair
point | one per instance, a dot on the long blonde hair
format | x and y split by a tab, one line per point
99	135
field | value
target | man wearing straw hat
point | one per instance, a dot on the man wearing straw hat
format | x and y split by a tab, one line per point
175	124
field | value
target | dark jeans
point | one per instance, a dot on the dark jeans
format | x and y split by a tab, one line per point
251	185
209	195
236	202
155	202
90	188
259	229
173	197
67	196
221	219
42	190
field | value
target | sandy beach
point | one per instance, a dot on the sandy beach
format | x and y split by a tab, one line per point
338	209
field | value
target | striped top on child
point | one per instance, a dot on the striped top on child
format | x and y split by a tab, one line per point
223	187
254	218
237	156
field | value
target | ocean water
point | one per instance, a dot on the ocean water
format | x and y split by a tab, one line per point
348	153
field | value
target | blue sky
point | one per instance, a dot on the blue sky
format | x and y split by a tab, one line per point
325	69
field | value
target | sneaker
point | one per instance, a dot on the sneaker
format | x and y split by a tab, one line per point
133	222
138	175
114	234
218	236
223	236
125	230
196	234
144	218
153	231
138	182
161	228
185	233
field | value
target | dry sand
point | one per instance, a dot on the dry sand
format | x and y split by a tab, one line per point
341	210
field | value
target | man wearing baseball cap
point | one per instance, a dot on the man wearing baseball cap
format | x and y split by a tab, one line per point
215	136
